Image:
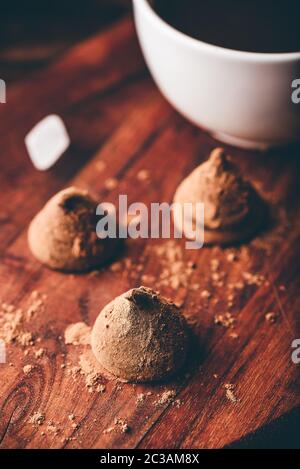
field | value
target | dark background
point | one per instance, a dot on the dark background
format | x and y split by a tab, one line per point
35	32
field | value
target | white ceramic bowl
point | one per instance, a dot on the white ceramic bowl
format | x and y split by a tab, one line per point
242	98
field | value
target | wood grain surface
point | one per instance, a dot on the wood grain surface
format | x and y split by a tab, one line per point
115	114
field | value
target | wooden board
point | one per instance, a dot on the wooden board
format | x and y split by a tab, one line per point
115	114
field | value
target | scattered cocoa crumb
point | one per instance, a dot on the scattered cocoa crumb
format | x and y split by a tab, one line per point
111	184
143	175
230	297
127	262
39	353
231	257
116	267
37	303
240	285
52	428
140	398
74	371
175	272
165	398
37	419
94	273
9	308
25	339
218	279
253	279
10	322
272	317
34	294
205	294
225	320
100	388
214	265
120	426
123	425
233	335
13	321
192	265
177	403
230	394
67	439
77	334
148	279
28	369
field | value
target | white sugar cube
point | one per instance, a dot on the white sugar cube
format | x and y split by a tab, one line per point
47	141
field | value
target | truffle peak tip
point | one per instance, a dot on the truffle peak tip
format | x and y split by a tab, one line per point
141	295
219	159
218	154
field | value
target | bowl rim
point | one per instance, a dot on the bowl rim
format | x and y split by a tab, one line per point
199	45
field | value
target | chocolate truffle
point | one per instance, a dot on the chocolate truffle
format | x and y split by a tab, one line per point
232	209
63	234
140	337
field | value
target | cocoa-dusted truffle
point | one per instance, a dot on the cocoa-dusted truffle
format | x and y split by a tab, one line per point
140	336
232	209
63	234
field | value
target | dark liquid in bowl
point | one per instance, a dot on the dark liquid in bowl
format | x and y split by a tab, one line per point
254	26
